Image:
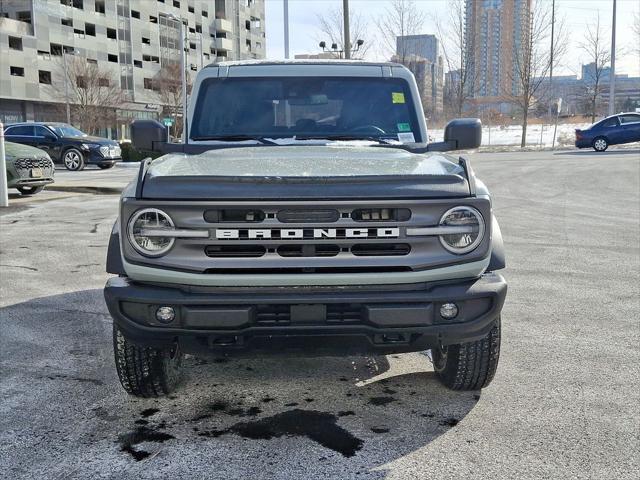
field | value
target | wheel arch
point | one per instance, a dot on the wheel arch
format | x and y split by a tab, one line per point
114	257
498	261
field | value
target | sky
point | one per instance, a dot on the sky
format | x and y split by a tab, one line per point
305	35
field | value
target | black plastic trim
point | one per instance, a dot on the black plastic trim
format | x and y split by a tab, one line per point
114	257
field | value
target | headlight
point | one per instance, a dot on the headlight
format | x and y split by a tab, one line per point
472	229
150	219
87	146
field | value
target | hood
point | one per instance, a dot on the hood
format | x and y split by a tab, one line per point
17	150
92	139
304	172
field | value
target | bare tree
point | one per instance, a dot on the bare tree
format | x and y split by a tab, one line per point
168	84
401	18
533	59
457	57
94	93
331	25
635	27
599	55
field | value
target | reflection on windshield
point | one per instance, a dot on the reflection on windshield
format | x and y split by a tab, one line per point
67	131
317	107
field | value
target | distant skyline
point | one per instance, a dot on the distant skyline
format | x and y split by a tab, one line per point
305	34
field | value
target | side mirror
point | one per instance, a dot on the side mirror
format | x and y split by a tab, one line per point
147	135
464	132
460	134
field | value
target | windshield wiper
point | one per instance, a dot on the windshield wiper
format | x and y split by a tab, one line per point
235	138
345	138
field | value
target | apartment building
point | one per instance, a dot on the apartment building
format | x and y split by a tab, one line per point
132	39
495	31
420	54
423	45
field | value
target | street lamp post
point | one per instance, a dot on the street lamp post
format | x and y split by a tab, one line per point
612	81
286	29
334	48
346	33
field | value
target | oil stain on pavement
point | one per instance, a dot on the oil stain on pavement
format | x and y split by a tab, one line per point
321	427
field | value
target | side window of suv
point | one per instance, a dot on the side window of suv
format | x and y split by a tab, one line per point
629	118
20	131
44	132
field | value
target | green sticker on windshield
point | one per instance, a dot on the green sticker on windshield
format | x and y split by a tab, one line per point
404	127
397	97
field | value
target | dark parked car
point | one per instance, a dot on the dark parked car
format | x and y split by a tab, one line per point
620	128
28	169
65	144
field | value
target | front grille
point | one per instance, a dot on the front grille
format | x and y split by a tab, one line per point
357	236
28	163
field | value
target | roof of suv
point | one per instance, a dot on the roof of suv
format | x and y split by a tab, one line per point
351	63
44	124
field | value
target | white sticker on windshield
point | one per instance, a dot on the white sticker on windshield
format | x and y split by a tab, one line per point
406	137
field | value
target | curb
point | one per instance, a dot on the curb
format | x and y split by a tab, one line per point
86	189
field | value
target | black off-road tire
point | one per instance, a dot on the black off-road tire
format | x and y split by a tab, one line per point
146	371
30	190
469	366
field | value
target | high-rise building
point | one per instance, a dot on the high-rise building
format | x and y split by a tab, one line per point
420	54
424	46
495	31
132	39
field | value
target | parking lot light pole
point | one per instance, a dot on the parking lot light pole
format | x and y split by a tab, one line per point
4	195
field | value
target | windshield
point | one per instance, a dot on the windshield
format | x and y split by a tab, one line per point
305	107
67	131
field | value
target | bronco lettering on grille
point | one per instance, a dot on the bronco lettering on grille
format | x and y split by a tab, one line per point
305	233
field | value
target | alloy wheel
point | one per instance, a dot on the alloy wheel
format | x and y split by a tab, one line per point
600	145
72	160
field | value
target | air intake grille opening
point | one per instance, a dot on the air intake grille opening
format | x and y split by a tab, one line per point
308	250
305	270
240	215
380	249
235	251
273	314
308	216
344	313
381	215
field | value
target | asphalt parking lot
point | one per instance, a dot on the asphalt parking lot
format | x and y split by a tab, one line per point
565	402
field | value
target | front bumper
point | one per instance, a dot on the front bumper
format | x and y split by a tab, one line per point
307	320
29	182
94	157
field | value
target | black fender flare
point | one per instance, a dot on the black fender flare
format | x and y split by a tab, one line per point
114	257
497	261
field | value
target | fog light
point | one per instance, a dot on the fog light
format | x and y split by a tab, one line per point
165	314
448	310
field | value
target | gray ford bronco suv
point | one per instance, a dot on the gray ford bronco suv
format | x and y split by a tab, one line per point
306	213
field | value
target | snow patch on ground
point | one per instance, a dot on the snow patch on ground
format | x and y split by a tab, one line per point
537	135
